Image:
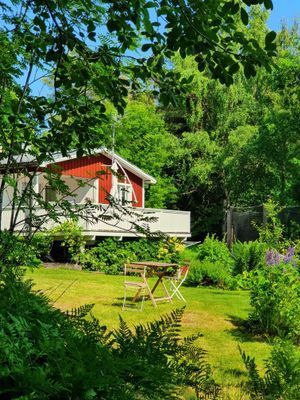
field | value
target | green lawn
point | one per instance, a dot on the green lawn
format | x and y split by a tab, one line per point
209	311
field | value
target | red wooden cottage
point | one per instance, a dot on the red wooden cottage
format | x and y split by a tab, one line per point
97	169
104	178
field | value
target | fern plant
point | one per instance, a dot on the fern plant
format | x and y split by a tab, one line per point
46	354
165	361
282	376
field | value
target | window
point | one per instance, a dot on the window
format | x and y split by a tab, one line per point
125	193
50	194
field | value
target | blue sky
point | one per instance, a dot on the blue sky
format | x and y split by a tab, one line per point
284	10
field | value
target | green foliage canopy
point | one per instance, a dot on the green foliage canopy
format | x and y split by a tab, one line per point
238	146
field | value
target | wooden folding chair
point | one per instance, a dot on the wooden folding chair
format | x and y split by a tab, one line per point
177	280
140	285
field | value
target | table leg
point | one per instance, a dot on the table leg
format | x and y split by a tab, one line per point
152	298
160	281
169	297
156	284
150	293
137	295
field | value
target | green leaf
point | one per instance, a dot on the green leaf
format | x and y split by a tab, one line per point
147	23
190	79
270	37
234	68
252	2
150	4
226	7
92	36
268	4
51	55
271	46
201	65
112	25
146	46
91	27
249	70
90	394
244	16
235	8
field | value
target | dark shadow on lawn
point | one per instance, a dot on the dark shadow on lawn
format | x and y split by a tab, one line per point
236	372
242	330
221	292
119	302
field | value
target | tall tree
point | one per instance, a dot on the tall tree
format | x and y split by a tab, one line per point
141	137
253	128
94	47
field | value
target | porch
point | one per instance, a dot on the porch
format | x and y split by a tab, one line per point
104	221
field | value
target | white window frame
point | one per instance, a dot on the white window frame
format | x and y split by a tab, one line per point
124	197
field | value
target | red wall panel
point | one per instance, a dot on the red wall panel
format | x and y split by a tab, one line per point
91	167
137	185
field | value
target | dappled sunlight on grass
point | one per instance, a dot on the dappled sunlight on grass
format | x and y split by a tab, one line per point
209	311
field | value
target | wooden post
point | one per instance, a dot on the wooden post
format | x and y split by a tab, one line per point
264	215
229	227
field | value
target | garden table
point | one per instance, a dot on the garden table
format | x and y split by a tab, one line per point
160	269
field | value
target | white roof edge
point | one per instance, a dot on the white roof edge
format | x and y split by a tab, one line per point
131	167
57	157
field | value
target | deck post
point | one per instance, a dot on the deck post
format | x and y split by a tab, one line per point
34	188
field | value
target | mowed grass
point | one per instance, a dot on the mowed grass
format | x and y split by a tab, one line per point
209	311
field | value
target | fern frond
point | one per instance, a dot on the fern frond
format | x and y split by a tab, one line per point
256	382
80	312
122	336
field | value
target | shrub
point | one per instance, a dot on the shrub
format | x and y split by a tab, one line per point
214	250
189	253
110	255
207	273
16	252
46	354
72	237
169	250
273	257
42	243
211	264
282	377
248	256
271	232
274	299
244	281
